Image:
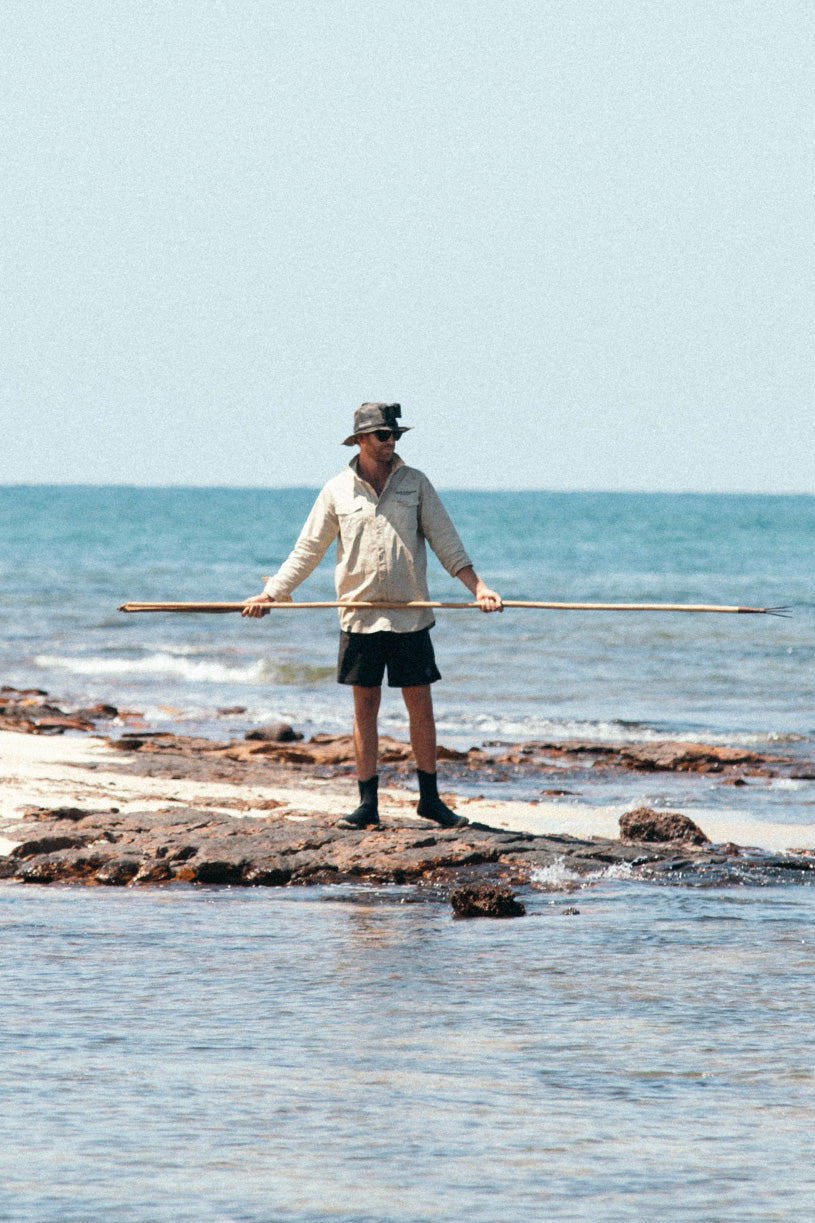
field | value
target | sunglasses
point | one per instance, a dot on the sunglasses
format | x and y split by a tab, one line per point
384	435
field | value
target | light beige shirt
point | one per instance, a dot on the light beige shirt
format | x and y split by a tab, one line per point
381	555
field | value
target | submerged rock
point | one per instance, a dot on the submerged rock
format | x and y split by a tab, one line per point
276	732
23	710
486	900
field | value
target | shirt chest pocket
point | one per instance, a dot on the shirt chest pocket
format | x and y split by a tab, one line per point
351	520
404	514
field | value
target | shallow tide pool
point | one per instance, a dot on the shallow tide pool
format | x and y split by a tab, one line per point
226	1055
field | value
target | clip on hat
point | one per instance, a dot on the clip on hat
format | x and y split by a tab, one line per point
373	416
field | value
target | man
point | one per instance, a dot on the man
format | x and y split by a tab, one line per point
380	512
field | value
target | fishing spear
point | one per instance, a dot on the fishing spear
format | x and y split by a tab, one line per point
522	604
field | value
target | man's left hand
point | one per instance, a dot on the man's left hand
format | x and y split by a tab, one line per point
488	600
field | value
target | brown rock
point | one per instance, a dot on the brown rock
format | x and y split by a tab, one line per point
679	757
20	725
485	900
266	876
24	711
277	732
450	753
153	871
647	825
117	871
665	756
60	813
47	845
69	866
98	712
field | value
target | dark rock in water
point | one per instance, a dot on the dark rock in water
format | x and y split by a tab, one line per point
486	900
23	711
117	872
216	870
571	912
277	732
681	757
156	870
99	712
647	825
665	756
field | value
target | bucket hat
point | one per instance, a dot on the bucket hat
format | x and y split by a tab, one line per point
373	416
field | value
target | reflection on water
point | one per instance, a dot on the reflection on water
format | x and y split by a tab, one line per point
214	1055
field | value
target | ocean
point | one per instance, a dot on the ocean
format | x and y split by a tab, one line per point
222	1055
70	556
274	1056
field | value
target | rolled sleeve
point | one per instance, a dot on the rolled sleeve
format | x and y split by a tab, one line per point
439	531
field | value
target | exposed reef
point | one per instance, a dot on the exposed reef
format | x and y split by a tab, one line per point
263	813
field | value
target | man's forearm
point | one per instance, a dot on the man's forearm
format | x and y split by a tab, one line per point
490	600
469	577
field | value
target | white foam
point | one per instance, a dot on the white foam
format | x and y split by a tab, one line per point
509	728
558	877
163	665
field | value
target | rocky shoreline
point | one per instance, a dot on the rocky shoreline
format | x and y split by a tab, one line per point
71	845
235	836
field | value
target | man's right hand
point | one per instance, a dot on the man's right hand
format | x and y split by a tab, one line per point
257	606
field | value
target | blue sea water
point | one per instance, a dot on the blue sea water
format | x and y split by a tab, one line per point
299	1055
71	555
274	1056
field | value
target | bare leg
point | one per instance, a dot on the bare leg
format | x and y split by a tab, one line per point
366	735
419	704
366	750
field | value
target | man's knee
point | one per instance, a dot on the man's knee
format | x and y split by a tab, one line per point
418	699
366	701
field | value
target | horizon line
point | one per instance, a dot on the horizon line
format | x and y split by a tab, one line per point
572	490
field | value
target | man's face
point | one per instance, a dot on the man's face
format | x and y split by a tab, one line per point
375	450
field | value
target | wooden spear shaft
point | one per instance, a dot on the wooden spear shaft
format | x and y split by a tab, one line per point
222	608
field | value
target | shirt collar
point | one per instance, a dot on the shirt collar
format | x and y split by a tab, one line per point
354	465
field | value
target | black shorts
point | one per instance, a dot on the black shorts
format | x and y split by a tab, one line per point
409	658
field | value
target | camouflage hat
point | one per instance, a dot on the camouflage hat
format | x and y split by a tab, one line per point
373	416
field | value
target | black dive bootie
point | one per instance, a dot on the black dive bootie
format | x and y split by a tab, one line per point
432	808
367	813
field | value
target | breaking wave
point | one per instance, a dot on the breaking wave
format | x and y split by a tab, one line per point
181	668
555	730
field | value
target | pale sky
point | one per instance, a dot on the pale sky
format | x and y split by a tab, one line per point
573	238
